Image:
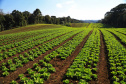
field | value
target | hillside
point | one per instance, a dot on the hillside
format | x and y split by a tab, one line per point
30	28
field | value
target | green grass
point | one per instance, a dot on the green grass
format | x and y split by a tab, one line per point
30	28
84	25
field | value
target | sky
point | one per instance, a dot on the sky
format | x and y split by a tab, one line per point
77	9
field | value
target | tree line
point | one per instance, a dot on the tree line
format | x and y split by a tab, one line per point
116	17
18	19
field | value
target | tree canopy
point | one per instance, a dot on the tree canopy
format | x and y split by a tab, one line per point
116	16
17	18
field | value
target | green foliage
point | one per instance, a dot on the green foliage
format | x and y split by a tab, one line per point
38	80
13	82
94	76
45	75
12	67
9	23
21	76
119	13
43	70
4	68
116	57
6	73
66	81
81	81
51	70
35	65
2	19
38	68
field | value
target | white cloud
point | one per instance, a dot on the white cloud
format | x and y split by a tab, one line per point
70	2
59	5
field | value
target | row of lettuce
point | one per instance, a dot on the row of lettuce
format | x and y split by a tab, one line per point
18	61
120	35
22	36
29	43
116	56
31	37
41	71
84	65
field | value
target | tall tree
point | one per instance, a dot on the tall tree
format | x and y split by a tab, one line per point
116	16
19	18
53	19
26	15
9	21
2	19
37	16
68	19
48	19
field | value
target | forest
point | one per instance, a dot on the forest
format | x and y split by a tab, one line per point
18	19
116	16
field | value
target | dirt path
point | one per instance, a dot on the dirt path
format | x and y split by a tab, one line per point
103	77
61	66
14	75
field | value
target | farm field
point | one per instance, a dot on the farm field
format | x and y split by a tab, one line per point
55	54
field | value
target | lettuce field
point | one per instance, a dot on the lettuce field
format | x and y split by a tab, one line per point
51	54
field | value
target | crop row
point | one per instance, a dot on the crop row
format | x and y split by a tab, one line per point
122	30
10	38
84	65
116	58
120	35
20	48
16	62
16	44
64	51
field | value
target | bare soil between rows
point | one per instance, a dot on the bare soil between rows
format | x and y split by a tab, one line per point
14	75
103	72
61	66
